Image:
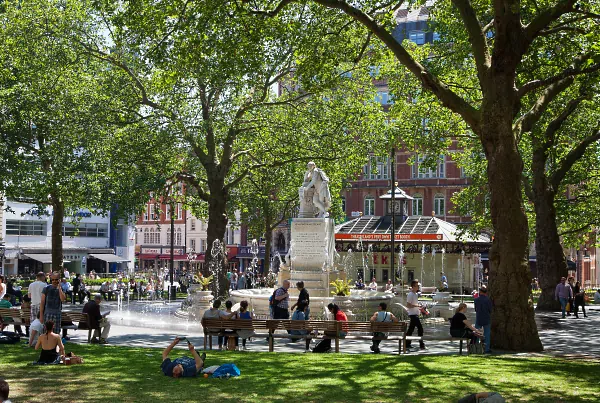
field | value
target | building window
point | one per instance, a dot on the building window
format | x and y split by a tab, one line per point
369	205
193	244
146	214
146	237
202	245
417	205
382	97
193	225
178	237
152	208
26	228
439	205
179	211
424	172
343	204
156	240
377	168
89	230
417	37
167	212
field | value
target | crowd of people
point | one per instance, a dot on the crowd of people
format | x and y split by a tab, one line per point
572	296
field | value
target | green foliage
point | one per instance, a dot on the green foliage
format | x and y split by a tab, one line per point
134	375
341	287
204	281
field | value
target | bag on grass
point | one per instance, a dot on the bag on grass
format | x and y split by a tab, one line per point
226	371
323	346
9	338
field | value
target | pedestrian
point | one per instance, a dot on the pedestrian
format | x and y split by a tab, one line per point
382	315
76	284
303	299
414	309
34	291
282	300
579	299
571	309
234	280
483	316
51	303
563	293
241	284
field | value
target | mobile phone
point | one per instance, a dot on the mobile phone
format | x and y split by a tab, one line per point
182	338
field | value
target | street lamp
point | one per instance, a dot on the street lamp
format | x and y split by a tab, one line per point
2	252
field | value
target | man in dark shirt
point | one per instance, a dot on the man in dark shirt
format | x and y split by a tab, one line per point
76	284
483	317
182	366
97	320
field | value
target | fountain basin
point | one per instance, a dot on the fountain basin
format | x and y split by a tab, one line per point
362	303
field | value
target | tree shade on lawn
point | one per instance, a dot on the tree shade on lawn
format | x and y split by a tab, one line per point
120	374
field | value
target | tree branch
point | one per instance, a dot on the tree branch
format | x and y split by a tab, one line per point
428	80
525	123
581	229
572	157
476	36
571	71
556	124
547	17
193	181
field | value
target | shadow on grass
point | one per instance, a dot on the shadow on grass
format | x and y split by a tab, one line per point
133	375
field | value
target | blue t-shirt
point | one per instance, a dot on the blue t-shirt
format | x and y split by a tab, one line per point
189	366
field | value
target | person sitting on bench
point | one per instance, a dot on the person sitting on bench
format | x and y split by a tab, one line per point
460	325
182	366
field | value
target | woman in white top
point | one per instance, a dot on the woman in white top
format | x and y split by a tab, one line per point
373	285
2	287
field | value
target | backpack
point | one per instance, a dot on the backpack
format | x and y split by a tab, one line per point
9	338
226	371
272	300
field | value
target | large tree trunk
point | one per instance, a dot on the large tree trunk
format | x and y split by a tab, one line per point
217	225
551	262
513	323
58	209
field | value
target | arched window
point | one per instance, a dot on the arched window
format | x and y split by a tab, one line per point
417	204
369	205
439	205
178	237
281	242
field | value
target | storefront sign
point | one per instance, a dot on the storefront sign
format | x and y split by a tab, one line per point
150	250
387	237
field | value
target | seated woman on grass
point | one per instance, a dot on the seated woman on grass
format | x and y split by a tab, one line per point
48	343
460	326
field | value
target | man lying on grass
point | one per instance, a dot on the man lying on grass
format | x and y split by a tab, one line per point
182	366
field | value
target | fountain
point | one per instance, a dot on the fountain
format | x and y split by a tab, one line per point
442	298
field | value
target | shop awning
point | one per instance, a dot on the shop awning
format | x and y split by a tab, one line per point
147	256
108	258
167	256
44	258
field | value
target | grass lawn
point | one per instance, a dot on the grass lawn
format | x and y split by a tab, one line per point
119	374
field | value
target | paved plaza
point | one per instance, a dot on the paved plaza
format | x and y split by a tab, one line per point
144	326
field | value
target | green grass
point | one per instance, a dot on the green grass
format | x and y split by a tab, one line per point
118	374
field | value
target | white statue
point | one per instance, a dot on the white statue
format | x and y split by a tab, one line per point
317	183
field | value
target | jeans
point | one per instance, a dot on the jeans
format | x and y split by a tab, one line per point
563	305
487	331
415	322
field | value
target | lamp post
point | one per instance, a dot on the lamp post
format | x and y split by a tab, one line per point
2	252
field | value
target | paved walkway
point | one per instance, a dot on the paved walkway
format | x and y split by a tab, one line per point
564	337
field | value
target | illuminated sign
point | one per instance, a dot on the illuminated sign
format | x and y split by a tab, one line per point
387	237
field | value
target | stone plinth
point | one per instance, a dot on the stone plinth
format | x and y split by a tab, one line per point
312	244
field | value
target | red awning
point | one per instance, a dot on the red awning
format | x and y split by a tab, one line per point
167	256
147	256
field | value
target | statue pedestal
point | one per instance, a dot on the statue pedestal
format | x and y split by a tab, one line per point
312	244
311	254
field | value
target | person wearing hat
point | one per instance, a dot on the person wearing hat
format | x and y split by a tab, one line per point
97	321
483	316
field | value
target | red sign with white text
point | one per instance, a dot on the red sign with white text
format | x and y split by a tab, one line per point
387	237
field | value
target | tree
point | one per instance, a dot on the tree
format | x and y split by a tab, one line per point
223	85
496	39
59	134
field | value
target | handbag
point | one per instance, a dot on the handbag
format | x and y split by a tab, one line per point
72	359
568	307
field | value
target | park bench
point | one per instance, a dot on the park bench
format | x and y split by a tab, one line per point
221	327
69	319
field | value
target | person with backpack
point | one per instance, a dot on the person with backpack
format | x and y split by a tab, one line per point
325	345
381	316
280	301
